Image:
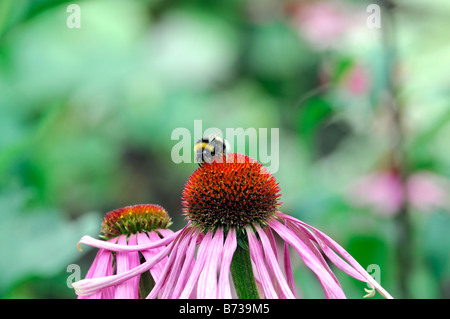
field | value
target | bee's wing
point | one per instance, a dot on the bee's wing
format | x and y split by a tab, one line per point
213	136
227	145
223	140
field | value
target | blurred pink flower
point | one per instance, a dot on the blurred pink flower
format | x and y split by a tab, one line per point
428	191
321	23
356	81
384	192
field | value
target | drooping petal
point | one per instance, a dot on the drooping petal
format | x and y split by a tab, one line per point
88	240
334	258
159	286
199	263
89	286
109	292
187	265
164	232
126	261
272	240
273	264
147	238
331	243
305	236
331	288
207	282
177	259
257	257
99	268
288	269
274	249
224	287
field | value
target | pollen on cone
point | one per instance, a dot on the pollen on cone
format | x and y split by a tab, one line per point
134	219
235	191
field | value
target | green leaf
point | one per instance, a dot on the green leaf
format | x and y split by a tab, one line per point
39	242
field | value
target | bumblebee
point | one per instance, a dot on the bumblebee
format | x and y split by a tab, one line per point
207	148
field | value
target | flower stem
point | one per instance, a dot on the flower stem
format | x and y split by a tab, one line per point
398	152
242	274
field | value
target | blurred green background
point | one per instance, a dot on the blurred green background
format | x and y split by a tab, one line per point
86	117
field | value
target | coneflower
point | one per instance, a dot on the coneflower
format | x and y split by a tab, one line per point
232	207
129	226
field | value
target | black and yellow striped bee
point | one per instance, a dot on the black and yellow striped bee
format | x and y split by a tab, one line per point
207	148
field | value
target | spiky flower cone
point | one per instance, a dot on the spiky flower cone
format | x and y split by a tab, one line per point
237	191
135	219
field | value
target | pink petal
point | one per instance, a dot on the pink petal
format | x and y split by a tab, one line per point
273	264
108	293
201	258
147	238
89	286
257	257
159	286
288	269
88	240
334	258
331	288
99	268
273	245
187	266
178	258
207	282
330	242
126	261
165	232
272	240
305	236
224	287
